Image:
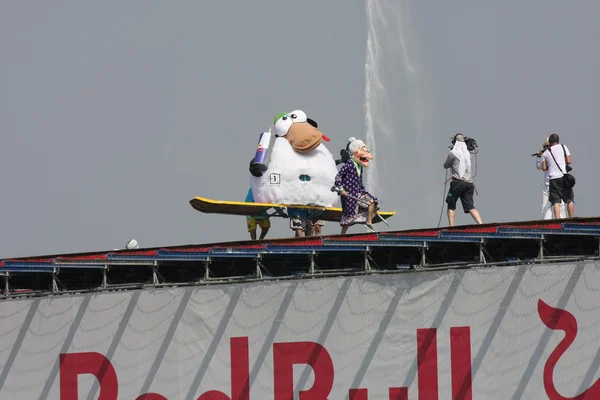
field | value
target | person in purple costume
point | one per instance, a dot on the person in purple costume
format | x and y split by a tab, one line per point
358	205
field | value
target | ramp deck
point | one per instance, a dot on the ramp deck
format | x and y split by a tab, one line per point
468	246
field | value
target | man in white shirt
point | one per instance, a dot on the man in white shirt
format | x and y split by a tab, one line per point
546	205
555	161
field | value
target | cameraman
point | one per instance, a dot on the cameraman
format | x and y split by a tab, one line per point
546	205
461	186
556	160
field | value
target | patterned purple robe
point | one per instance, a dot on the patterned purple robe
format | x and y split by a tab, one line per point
351	181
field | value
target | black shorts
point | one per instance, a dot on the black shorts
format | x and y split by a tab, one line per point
558	191
461	190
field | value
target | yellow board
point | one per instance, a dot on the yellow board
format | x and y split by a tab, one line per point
275	210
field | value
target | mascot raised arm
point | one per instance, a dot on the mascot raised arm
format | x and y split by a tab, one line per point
300	169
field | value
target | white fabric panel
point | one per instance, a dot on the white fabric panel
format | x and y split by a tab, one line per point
176	342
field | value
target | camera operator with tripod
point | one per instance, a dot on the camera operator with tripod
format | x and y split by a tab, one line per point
546	205
461	186
557	160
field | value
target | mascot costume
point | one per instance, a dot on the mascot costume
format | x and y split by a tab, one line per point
299	170
358	205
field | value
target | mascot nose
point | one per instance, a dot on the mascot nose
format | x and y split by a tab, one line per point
304	178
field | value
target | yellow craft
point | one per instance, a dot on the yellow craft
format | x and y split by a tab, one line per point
242	208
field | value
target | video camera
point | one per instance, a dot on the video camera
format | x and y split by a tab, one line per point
471	145
541	152
469	141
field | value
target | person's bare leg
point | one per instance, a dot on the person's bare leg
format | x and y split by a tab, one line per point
253	235
475	214
450	217
345	229
299	233
556	210
370	213
571	209
310	229
316	230
263	233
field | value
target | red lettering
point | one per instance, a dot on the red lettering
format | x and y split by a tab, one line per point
240	373
427	372
74	364
400	393
285	355
151	396
358	394
288	354
214	395
460	361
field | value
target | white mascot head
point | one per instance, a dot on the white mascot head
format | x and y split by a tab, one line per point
301	170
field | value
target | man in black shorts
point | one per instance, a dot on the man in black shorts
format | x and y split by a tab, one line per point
461	186
557	161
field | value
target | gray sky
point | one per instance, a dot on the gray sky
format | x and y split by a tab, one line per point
114	114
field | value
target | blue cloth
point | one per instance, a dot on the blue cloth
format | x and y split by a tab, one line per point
298	212
249	196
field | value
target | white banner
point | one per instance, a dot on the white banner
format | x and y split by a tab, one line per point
528	332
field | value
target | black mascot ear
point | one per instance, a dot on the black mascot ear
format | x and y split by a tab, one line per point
312	122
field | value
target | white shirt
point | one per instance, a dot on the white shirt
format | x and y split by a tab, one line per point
538	164
557	151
